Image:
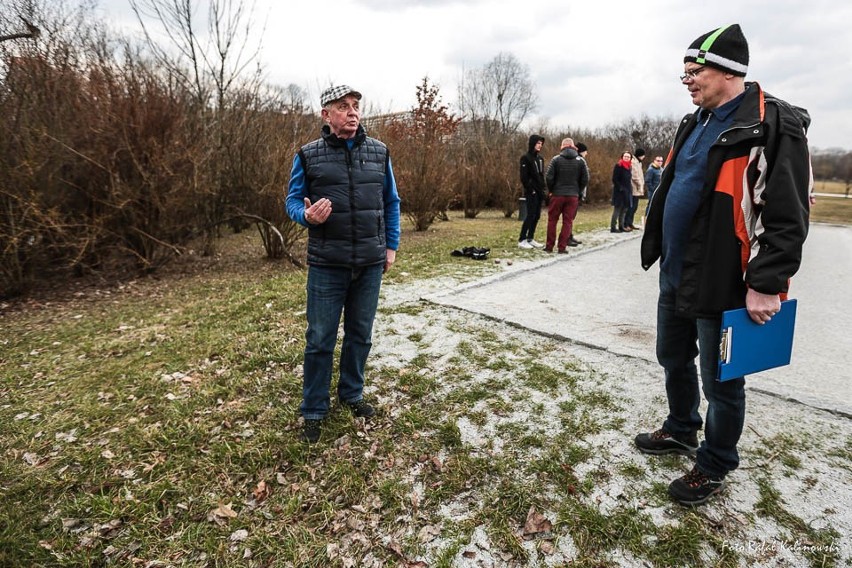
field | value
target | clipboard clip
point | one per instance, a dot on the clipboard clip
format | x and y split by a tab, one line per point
725	345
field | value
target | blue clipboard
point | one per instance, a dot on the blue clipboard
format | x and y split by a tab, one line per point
746	347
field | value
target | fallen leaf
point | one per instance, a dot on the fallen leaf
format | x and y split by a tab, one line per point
224	512
238	536
261	492
536	523
69	524
428	533
31	458
332	550
546	547
469	554
107	528
68	437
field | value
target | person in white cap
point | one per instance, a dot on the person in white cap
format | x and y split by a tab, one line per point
727	222
343	189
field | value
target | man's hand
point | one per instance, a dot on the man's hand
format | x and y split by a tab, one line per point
318	212
761	307
390	258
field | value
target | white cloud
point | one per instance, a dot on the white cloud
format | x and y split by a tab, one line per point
594	63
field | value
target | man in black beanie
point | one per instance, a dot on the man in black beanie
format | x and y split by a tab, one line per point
727	223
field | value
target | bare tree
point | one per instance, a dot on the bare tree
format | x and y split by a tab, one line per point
501	94
211	57
32	32
206	59
653	134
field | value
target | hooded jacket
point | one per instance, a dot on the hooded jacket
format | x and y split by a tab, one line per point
567	174
752	220
532	170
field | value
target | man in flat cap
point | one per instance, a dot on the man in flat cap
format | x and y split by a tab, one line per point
342	189
727	223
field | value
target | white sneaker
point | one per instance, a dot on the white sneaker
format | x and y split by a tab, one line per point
524	245
535	244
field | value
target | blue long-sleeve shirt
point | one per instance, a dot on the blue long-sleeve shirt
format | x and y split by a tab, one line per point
684	195
298	191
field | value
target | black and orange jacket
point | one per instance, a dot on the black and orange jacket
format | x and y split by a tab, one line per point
752	221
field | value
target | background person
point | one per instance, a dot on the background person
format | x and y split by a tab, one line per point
637	187
532	179
582	150
565	177
621	193
343	189
652	180
724	242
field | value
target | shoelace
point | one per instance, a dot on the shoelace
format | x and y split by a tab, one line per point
695	478
660	435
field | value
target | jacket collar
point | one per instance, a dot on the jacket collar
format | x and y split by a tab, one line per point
333	140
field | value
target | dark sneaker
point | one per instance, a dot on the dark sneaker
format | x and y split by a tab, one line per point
311	431
361	408
574	241
695	488
661	442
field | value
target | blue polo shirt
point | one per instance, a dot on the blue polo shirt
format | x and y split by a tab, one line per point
684	195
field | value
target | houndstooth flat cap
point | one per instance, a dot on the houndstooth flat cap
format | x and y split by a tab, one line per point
332	94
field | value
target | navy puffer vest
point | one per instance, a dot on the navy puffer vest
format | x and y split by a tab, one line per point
353	180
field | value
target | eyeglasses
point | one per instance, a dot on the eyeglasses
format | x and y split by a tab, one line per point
691	74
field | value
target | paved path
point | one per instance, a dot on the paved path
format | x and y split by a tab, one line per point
603	298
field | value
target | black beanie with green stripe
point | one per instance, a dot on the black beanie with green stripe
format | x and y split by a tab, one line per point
725	48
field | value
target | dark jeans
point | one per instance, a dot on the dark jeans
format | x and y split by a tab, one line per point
531	220
332	291
679	341
631	211
617	220
565	207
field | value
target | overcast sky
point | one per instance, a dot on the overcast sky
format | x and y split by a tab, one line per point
593	63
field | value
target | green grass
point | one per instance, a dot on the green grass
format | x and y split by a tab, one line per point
134	420
831	209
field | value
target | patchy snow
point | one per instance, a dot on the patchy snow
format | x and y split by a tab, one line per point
817	488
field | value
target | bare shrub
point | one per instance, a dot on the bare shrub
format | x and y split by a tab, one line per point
422	157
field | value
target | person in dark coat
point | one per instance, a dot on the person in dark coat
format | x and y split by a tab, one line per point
622	193
566	177
532	178
727	223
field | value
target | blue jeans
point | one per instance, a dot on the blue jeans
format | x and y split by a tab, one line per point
679	341
354	292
